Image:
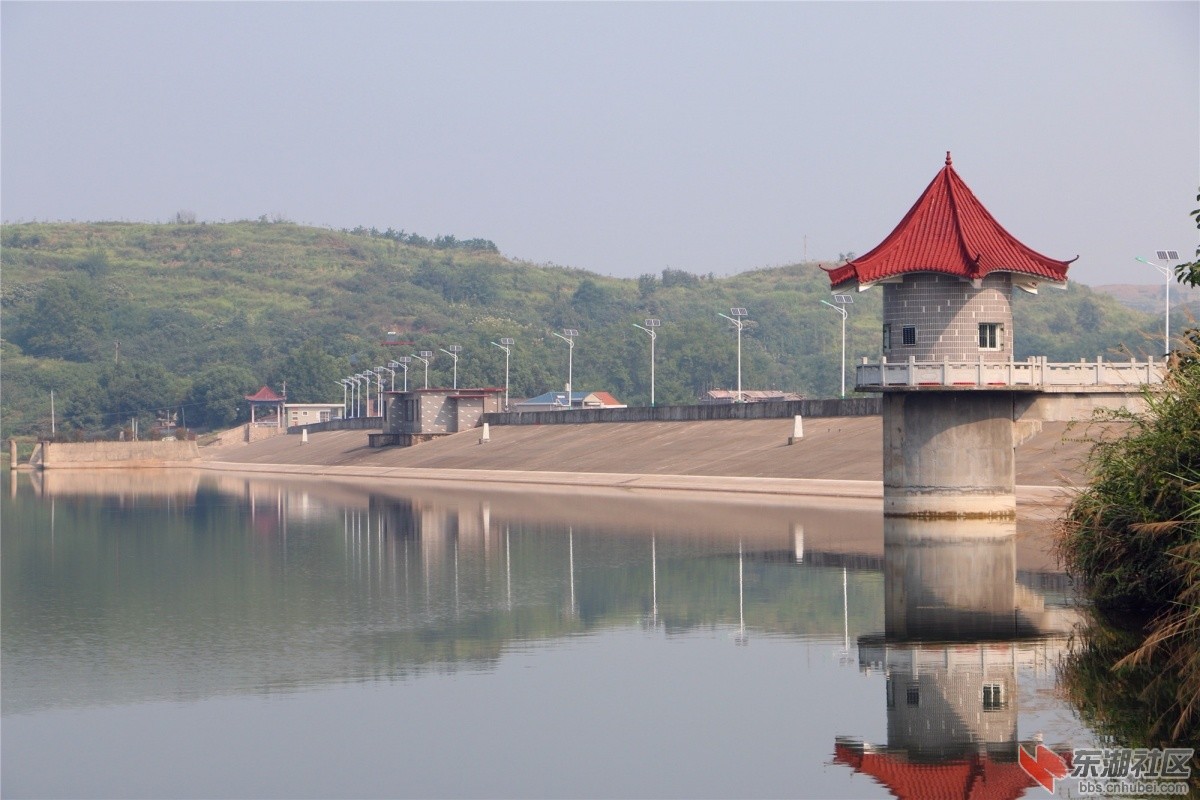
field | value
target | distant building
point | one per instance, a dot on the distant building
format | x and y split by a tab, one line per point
557	401
420	415
729	396
309	413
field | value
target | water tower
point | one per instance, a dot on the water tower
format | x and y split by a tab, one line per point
948	271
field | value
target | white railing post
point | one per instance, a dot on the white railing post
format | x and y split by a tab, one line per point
912	370
883	370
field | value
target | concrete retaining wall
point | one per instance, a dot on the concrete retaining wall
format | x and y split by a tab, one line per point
99	455
352	424
850	407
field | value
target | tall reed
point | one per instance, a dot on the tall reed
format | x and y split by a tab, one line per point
1132	538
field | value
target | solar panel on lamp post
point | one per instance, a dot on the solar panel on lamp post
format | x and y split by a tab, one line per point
842	300
389	369
735	316
568	335
402	362
453	353
423	356
649	327
1164	255
505	344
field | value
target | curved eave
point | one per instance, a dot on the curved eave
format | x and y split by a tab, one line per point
1026	281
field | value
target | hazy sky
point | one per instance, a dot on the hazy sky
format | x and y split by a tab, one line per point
617	137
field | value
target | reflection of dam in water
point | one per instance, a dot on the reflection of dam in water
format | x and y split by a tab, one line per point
959	634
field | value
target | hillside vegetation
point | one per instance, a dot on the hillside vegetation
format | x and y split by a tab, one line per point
124	320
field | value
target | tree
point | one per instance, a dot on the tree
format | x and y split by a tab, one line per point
310	373
67	319
218	396
1190	273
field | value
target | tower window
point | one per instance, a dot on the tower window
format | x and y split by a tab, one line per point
887	338
913	696
993	697
989	336
909	333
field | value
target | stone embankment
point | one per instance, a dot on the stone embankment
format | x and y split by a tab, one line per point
837	456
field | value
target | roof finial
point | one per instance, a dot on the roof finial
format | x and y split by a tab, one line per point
947	158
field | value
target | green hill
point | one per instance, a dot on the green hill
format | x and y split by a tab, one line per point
126	319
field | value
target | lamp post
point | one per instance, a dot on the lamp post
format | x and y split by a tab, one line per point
568	335
402	362
505	344
842	300
1165	255
367	375
354	404
651	324
423	356
345	393
453	353
735	316
389	369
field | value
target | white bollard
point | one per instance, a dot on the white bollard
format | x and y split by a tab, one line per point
797	430
304	436
486	437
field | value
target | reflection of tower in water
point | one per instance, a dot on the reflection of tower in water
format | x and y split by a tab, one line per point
958	629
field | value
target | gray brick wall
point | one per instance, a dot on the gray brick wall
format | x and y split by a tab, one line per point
946	313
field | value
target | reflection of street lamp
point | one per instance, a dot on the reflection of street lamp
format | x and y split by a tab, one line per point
1165	255
505	344
402	362
651	324
568	335
842	300
453	353
735	316
424	356
741	638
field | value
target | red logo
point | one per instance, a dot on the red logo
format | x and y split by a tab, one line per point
1044	766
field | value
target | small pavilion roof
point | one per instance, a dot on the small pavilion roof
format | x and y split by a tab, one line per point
948	231
264	395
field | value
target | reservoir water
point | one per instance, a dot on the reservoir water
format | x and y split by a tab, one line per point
180	634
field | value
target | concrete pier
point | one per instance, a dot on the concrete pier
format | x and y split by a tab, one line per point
949	455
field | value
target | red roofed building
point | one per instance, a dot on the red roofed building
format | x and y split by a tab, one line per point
948	270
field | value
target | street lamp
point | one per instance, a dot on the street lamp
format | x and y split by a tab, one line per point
402	362
1164	255
357	381
367	375
651	324
453	353
424	356
505	344
735	316
389	369
842	300
345	393
568	335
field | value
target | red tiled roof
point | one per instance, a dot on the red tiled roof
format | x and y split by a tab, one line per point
264	395
949	231
976	776
606	399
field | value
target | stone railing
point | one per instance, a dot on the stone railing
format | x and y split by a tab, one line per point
1036	373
